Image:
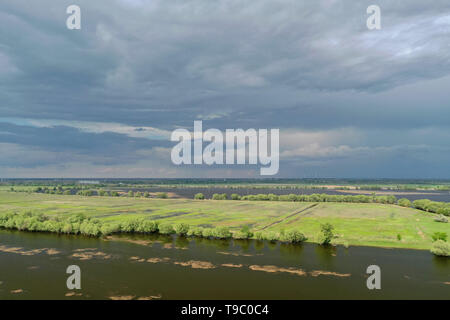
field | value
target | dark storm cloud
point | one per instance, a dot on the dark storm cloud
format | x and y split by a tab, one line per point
295	65
101	148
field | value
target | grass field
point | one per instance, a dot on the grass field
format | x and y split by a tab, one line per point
355	223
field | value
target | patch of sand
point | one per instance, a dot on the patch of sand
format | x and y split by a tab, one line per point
230	265
196	264
89	253
134	241
17	291
23	252
171	246
73	294
317	273
137	259
33	267
157	260
236	254
273	269
150	297
122	297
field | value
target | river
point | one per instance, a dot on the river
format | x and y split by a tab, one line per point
33	266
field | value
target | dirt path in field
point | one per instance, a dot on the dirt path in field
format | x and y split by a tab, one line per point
289	216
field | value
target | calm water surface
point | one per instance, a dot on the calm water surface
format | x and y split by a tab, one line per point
32	266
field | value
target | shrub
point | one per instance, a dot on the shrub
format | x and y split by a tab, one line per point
439	236
235	196
270	236
222	233
130	193
399	237
195	232
207	233
166	228
441	218
147	226
273	197
441	248
130	225
199	196
114	194
107	229
244	233
162	195
404	203
293	236
67	193
259	235
217	196
327	233
181	229
146	194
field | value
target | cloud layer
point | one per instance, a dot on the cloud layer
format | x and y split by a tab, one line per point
103	100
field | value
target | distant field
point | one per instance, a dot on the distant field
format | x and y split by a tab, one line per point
355	223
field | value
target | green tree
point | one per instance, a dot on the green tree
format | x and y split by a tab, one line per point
199	196
439	236
327	233
441	248
181	229
162	195
403	202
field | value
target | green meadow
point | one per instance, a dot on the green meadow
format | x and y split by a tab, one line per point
368	224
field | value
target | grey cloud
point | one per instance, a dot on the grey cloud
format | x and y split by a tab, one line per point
289	64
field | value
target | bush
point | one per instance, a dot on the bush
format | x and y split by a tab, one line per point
439	236
293	236
130	225
270	236
130	193
441	218
166	228
222	233
195	232
244	233
259	235
181	229
217	196
147	226
441	248
107	229
404	203
199	196
235	196
207	233
327	233
162	195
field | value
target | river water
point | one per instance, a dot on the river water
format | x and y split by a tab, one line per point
33	266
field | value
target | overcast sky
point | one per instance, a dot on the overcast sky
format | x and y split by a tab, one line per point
102	101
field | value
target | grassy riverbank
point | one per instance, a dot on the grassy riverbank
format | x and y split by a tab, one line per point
369	224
